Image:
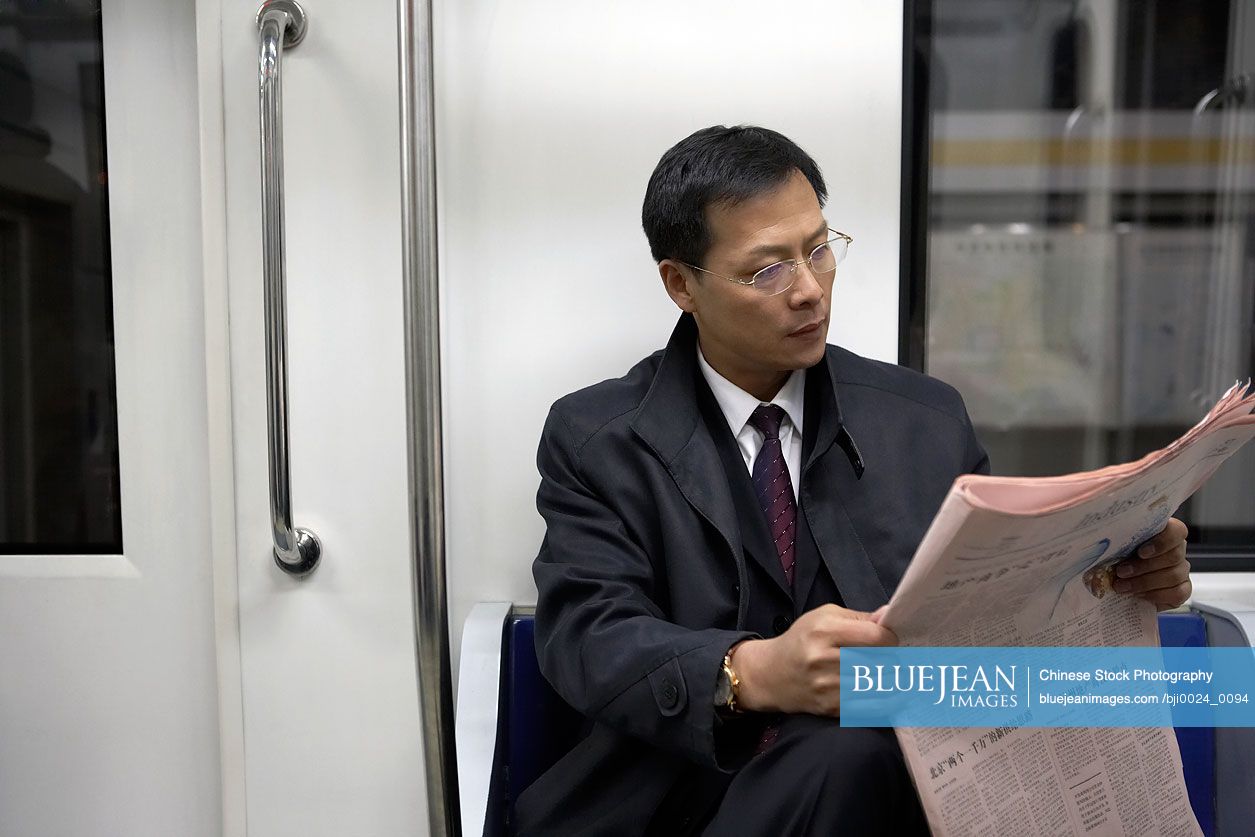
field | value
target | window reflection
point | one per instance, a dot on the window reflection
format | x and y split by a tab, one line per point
58	414
1091	247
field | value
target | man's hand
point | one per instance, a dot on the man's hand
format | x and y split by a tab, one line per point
1158	571
800	670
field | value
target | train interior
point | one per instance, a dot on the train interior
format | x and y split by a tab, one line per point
287	290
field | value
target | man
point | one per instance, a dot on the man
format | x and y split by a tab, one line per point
730	513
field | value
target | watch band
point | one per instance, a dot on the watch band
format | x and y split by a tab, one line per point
734	682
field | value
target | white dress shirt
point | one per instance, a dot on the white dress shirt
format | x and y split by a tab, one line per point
737	406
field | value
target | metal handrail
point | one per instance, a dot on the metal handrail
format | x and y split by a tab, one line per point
1213	373
280	24
422	411
1233	90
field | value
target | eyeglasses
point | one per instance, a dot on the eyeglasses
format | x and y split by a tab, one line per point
779	277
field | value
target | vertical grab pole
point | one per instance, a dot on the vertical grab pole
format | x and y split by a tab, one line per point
280	24
422	409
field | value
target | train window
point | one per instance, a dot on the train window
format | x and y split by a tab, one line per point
1079	238
58	414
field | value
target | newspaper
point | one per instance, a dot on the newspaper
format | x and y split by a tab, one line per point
1029	562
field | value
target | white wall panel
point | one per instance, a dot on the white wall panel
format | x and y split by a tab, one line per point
330	711
551	117
108	693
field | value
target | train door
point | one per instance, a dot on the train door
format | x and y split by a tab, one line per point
146	632
108	689
331	732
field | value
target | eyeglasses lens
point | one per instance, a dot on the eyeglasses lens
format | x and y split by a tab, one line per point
774	277
824	259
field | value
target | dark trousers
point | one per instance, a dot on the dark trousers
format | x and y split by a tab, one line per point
817	778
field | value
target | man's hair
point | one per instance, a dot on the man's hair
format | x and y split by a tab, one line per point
715	165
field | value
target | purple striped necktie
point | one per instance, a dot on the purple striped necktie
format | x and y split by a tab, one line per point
770	476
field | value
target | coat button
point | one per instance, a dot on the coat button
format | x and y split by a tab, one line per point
781	623
669	695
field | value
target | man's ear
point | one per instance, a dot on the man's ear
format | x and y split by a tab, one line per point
676	278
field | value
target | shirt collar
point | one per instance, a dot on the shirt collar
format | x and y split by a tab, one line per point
737	404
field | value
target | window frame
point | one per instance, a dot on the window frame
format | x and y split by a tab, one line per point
917	31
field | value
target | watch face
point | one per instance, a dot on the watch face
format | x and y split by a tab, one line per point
723	689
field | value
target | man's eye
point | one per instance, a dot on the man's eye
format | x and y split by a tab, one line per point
770	273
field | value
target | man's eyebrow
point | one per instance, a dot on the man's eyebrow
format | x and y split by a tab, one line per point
773	249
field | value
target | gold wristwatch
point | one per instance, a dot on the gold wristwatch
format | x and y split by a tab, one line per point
726	686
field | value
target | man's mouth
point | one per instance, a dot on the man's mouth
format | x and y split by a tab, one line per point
805	330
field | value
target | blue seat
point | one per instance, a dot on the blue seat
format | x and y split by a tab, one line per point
1198	744
535	727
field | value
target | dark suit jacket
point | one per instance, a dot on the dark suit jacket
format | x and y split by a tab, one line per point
644	580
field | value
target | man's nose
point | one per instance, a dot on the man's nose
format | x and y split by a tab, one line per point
806	287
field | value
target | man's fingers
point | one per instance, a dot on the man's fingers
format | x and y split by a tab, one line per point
843	626
1159	573
1131	567
861	632
1169	597
1173	533
1163	579
839	612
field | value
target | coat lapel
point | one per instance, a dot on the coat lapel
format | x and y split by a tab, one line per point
670	422
832	472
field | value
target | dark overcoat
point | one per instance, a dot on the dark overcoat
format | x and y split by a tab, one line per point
644	578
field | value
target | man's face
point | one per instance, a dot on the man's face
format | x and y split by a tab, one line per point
753	339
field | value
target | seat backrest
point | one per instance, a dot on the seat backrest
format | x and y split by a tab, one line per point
535	727
1198	744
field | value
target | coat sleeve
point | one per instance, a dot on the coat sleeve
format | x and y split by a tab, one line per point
602	640
975	456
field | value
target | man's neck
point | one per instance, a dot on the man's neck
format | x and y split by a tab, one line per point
762	385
